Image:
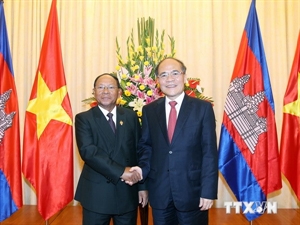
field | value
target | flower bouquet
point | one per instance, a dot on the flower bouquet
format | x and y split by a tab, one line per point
136	72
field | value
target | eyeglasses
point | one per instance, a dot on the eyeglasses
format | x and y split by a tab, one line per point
174	74
109	88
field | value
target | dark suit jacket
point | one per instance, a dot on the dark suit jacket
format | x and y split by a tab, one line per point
187	168
105	157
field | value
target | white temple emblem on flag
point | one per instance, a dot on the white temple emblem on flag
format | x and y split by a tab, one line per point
242	109
5	119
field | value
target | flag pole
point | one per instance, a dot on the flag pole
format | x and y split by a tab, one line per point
46	222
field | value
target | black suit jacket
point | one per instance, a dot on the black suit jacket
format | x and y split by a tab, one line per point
187	168
105	157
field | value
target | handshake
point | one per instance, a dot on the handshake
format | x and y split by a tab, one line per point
132	175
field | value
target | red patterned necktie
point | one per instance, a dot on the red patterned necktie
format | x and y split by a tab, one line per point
111	122
172	120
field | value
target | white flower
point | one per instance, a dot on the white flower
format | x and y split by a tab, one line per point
200	89
137	104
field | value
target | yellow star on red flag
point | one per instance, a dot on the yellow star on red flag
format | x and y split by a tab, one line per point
48	128
293	108
48	105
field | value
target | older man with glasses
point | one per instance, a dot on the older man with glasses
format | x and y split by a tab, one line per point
178	151
107	138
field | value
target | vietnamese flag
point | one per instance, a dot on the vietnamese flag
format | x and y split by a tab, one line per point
48	133
10	154
290	134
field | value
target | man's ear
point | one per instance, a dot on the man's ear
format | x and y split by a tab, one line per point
120	92
185	78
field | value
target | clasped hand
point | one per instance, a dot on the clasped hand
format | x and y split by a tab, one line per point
132	175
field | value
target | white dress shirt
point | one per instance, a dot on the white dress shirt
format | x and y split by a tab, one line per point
114	112
179	100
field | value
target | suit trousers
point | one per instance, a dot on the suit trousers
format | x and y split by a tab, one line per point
172	216
93	218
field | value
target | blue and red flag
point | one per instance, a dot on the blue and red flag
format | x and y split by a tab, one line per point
10	161
248	148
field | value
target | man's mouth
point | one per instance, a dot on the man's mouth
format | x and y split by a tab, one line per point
171	86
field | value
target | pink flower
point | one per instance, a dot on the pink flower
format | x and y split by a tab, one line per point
148	100
133	89
147	70
140	94
150	83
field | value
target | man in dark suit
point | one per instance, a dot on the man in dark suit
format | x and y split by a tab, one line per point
180	165
108	146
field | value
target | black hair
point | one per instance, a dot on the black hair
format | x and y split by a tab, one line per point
183	67
109	74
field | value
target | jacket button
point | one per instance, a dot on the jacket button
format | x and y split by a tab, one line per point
170	152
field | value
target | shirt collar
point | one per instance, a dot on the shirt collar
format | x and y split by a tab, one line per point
179	99
105	112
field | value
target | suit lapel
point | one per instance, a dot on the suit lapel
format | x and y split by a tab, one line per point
185	110
120	125
161	117
105	129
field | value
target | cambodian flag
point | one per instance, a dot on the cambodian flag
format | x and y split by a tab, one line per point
248	148
10	161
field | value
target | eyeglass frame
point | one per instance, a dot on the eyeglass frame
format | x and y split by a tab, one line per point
110	88
165	75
